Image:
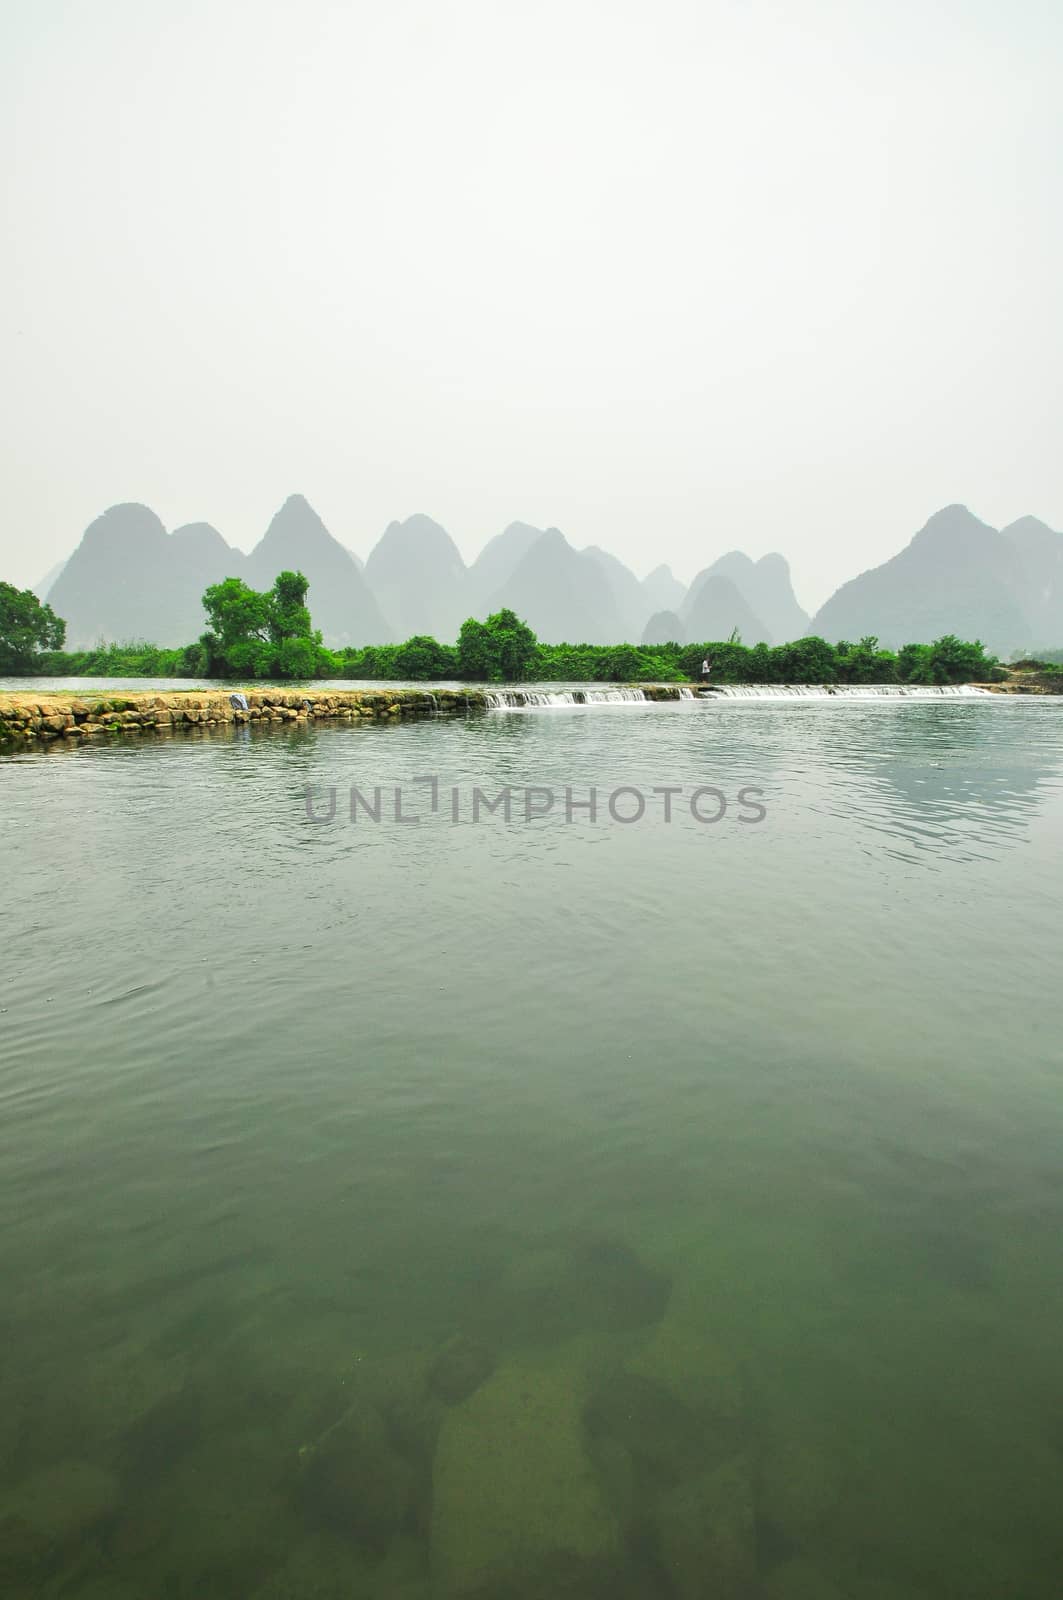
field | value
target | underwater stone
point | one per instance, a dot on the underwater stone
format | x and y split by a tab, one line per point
460	1368
591	1285
322	1567
514	1488
798	1485
616	1474
55	1506
120	1385
684	1360
633	1293
355	1482
707	1535
663	1438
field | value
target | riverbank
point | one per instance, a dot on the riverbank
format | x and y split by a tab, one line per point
43	717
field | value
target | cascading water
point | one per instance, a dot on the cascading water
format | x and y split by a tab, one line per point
528	699
520	699
840	691
626	696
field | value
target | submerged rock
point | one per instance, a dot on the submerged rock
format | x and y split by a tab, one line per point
683	1359
54	1508
115	1390
706	1530
355	1482
590	1285
798	1485
324	1567
461	1366
516	1496
662	1438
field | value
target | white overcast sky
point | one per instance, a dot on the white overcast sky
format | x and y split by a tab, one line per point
677	276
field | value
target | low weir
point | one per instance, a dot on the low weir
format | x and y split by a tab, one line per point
615	695
849	691
39	716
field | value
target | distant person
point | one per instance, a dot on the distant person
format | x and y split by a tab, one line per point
706	668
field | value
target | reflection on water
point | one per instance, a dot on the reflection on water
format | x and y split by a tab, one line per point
536	1208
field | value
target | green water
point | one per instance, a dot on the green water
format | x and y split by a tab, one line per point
536	1208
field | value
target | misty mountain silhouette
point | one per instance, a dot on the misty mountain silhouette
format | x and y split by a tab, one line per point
416	572
663	591
958	575
43	585
716	607
629	597
1039	577
130	579
565	595
341	602
664	627
497	561
766	588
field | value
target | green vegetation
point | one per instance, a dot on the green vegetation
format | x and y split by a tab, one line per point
1049	664
253	634
26	628
261	635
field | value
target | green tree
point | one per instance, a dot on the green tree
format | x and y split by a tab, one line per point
287	613
621	664
953	660
727	658
912	663
26	626
502	649
476	652
810	660
864	662
256	634
236	613
423	658
515	642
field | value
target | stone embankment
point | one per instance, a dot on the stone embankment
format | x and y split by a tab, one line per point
32	714
36	715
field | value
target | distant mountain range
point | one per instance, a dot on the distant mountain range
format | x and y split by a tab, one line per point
130	579
958	575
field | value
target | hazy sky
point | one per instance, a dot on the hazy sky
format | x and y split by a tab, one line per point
675	276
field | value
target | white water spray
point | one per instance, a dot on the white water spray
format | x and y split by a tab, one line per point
844	691
520	699
531	699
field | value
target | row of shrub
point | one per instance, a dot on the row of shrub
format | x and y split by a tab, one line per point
423	659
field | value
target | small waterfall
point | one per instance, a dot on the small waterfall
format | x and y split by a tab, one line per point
531	699
618	697
522	699
518	699
844	691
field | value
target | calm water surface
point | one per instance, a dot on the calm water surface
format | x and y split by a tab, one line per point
518	1209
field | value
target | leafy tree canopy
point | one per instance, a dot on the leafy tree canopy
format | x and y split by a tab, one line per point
500	650
256	634
26	626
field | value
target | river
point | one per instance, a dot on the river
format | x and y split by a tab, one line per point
643	1179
